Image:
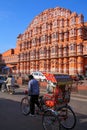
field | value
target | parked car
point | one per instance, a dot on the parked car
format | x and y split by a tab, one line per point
38	75
2	79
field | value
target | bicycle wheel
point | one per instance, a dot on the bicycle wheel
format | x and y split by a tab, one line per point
25	106
50	121
67	117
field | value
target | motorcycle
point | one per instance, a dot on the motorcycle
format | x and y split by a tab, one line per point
8	89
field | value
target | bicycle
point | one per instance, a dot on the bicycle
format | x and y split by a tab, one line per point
9	90
44	112
59	104
65	116
25	105
60	117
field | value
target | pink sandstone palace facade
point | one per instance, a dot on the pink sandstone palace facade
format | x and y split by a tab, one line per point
55	41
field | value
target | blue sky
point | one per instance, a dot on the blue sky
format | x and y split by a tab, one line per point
15	16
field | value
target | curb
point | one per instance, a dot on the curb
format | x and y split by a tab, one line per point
73	94
78	95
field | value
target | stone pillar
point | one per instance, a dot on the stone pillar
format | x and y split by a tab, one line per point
37	54
48	66
72	66
28	68
60	51
34	65
60	65
22	67
48	52
56	65
37	65
80	65
66	65
25	67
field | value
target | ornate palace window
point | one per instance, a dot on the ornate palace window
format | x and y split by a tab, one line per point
55	35
25	56
35	30
35	21
27	35
52	49
27	44
65	51
80	18
58	12
61	23
66	22
79	48
49	26
43	39
85	48
49	39
55	13
23	46
72	47
33	42
42	52
23	37
20	46
32	54
72	32
44	27
79	31
21	56
55	23
66	35
68	13
61	36
72	21
50	14
40	18
30	33
62	12
60	51
44	17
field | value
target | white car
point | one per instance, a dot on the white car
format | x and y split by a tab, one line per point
38	75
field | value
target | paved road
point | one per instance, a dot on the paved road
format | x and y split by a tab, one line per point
12	119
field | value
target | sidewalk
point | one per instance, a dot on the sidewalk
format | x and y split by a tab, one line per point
82	96
82	88
79	91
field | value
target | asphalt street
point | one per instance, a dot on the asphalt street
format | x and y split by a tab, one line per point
12	119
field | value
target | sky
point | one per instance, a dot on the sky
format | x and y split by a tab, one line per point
16	15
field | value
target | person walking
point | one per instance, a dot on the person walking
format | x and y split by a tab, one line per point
33	92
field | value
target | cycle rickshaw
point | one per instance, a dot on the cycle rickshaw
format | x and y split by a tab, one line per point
59	98
55	109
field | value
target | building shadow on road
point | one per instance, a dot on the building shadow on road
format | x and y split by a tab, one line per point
81	122
12	118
